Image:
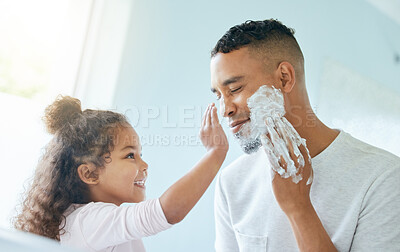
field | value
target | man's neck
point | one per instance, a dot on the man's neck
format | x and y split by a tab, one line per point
317	134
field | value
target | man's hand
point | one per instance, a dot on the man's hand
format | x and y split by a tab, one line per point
291	197
294	198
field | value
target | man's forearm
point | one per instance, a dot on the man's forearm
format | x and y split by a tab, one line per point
309	232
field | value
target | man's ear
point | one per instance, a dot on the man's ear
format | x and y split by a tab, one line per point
88	173
287	76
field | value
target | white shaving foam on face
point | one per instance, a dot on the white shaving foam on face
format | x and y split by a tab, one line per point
267	119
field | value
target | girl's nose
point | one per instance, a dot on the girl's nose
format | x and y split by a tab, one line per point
144	166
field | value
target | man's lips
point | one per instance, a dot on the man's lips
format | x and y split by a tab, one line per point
235	125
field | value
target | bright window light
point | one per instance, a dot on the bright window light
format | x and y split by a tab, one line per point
41	47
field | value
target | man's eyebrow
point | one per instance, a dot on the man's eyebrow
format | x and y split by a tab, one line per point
229	81
232	80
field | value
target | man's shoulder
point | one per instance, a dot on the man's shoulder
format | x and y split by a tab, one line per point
371	154
360	162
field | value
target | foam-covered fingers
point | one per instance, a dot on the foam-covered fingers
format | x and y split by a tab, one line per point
266	141
273	157
269	145
279	127
282	130
273	161
269	122
290	147
306	154
272	130
297	158
282	163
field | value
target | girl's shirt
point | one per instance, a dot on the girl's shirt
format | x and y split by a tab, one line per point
99	226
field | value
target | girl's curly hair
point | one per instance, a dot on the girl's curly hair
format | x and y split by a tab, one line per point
79	137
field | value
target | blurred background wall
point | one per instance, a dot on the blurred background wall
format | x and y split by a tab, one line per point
150	60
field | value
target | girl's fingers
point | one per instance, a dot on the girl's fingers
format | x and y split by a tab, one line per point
203	118
214	116
208	116
203	122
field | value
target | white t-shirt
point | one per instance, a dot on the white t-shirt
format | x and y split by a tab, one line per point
356	194
107	227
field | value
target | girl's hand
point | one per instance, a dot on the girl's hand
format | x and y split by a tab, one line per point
181	197
211	133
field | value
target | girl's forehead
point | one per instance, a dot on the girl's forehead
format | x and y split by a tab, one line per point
127	136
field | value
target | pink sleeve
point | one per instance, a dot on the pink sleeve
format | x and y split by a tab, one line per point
105	224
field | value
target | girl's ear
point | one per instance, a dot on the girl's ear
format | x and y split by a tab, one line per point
88	173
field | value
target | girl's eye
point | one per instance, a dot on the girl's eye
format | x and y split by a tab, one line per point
131	156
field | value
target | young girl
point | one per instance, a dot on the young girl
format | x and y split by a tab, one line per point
92	165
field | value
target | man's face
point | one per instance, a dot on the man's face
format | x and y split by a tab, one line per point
236	76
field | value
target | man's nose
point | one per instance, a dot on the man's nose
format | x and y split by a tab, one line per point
228	109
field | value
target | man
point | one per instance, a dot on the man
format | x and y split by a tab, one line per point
353	203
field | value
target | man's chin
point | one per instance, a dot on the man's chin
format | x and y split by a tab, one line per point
249	145
248	140
252	147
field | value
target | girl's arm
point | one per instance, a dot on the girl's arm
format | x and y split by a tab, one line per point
181	197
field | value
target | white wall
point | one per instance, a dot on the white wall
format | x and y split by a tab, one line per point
165	74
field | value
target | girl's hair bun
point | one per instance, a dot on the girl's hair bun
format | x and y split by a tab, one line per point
61	112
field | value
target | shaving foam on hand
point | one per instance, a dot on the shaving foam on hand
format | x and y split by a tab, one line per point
267	119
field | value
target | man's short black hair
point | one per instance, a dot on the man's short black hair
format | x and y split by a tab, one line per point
249	32
270	39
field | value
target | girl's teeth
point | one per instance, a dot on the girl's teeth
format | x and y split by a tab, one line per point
139	182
